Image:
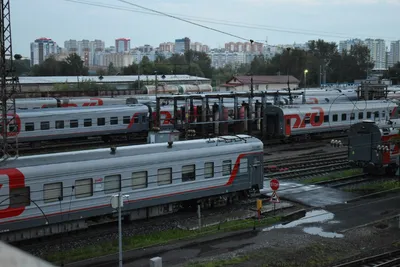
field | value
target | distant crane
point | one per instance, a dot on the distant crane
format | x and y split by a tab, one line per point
9	125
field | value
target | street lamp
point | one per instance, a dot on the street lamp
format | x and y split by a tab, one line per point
305	83
117	202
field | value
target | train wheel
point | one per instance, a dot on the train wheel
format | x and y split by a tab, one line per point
106	139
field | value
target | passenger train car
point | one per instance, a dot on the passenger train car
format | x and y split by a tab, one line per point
40	103
309	120
50	193
374	146
54	124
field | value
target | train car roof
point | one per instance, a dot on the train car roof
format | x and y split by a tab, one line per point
127	151
81	110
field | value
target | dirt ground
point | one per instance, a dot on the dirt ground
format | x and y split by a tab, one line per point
295	248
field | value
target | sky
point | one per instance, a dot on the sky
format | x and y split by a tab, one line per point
274	21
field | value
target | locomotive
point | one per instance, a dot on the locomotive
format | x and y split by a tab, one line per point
375	146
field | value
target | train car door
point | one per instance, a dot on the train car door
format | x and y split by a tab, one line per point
255	167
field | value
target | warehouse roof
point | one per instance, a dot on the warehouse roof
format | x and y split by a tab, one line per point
108	79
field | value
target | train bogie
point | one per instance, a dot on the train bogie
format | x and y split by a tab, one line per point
72	188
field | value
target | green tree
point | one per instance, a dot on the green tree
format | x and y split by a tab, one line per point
111	70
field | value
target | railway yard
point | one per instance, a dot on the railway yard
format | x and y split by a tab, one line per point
197	202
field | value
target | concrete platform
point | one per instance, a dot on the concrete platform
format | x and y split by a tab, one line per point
268	207
309	195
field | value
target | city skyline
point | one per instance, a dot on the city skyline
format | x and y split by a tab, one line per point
144	28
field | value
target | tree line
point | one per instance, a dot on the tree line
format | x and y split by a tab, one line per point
323	60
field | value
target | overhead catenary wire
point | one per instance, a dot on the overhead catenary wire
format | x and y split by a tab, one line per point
230	23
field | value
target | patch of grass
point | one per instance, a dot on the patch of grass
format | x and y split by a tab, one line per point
375	187
155	238
333	175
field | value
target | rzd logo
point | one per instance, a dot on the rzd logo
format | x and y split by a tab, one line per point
299	123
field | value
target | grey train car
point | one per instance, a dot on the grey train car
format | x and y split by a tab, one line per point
371	146
47	194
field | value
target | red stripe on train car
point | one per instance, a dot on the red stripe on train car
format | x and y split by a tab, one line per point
16	180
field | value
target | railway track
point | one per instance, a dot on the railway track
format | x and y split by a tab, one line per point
381	260
345	181
323	168
304	158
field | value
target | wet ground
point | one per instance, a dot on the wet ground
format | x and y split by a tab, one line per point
318	226
309	195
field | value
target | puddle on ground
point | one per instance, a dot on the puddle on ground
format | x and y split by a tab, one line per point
315	216
319	231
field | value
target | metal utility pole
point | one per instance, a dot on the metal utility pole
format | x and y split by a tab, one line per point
156	82
251	87
288	80
9	125
117	202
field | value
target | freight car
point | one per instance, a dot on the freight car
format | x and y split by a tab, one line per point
300	121
374	146
47	194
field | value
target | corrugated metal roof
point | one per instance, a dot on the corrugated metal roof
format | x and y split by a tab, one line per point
107	79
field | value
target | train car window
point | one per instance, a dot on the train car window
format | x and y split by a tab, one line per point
344	117
87	122
29	127
316	119
335	117
83	188
209	170
360	115
326	118
376	114
164	176
126	119
113	120
369	115
139	180
136	119
143	120
307	120
101	121
52	192
352	116
383	114
12	127
73	124
112	184
188	173
226	167
244	163
44	125
20	197
59	124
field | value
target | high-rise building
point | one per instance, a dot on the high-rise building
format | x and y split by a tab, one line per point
167	47
123	45
394	54
347	44
182	45
244	47
85	49
42	48
377	48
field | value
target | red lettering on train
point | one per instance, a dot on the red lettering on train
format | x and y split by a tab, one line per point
312	100
16	179
315	119
165	117
68	105
99	102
